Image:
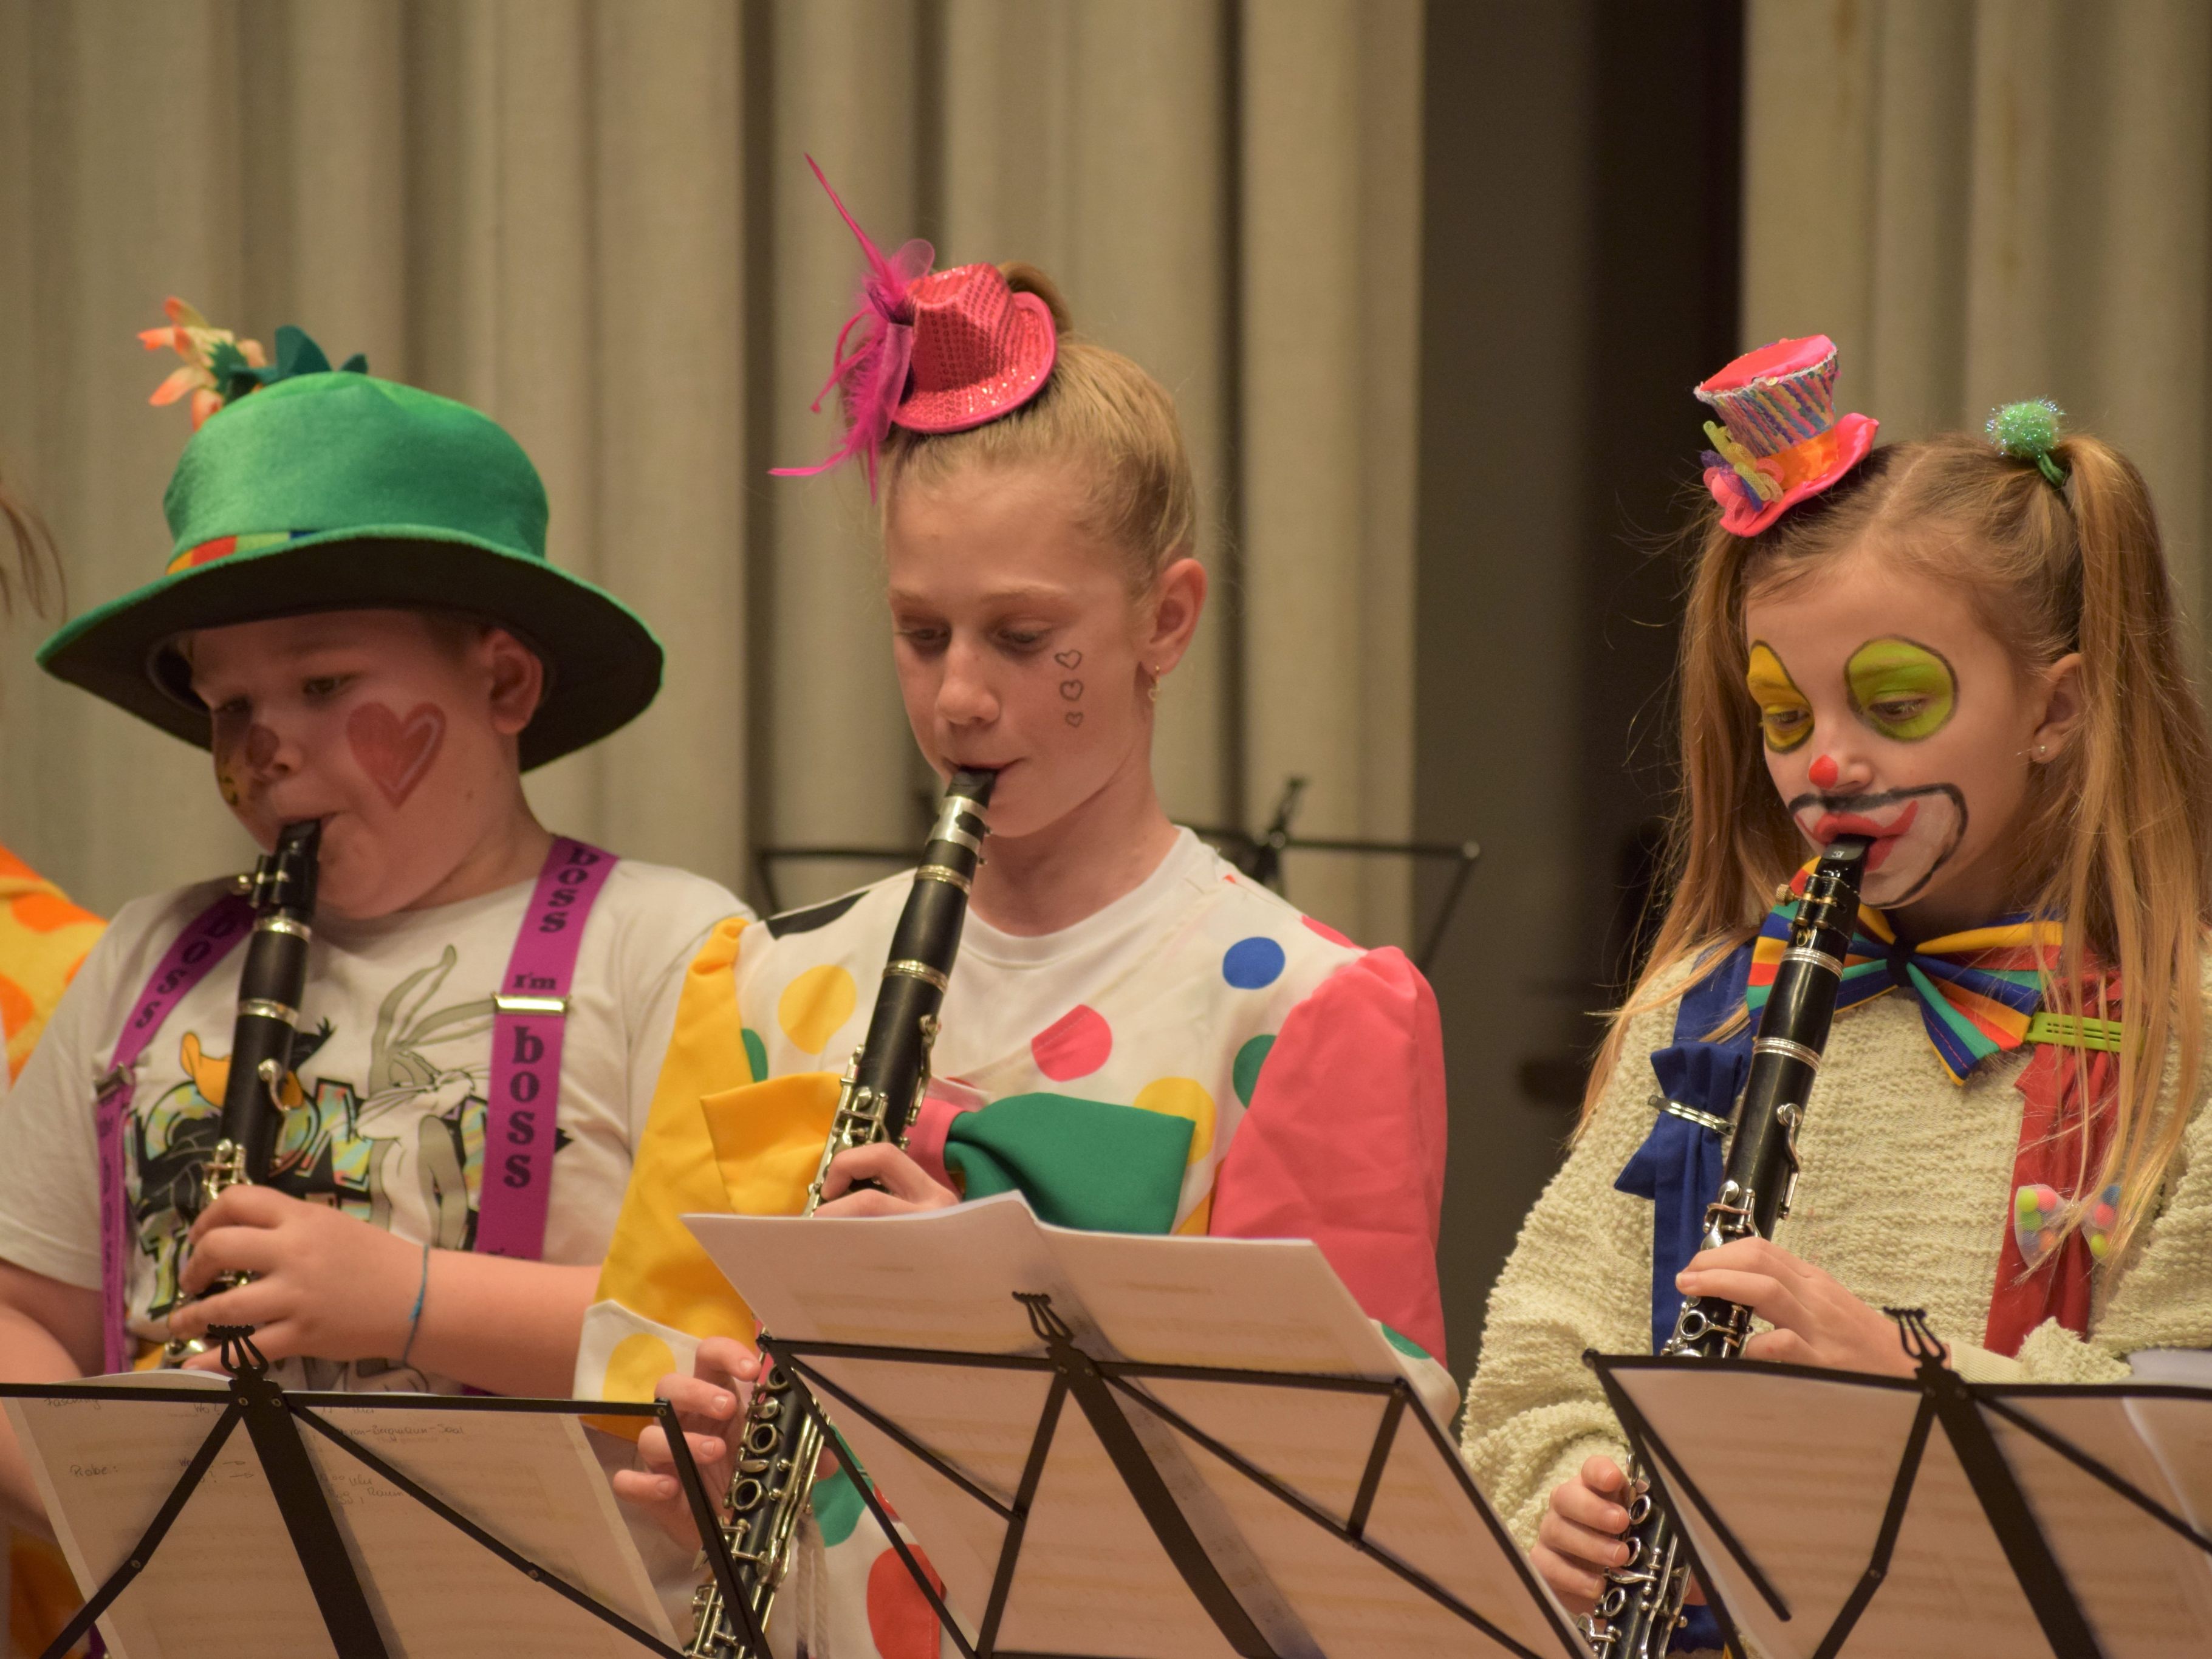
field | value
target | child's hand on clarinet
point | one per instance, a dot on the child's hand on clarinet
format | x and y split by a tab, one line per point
710	1404
1580	1535
324	1282
902	1185
1816	1321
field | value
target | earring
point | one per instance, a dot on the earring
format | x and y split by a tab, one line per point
2042	749
1152	688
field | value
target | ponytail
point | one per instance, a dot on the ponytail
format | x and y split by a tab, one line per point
2129	819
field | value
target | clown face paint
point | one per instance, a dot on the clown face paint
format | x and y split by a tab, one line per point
1901	688
1914	831
1915	728
380	723
1785	719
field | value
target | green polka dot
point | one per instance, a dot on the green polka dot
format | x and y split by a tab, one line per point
837	1503
1250	1058
756	1055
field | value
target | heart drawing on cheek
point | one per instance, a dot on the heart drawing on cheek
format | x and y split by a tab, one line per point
393	752
1075	717
1068	659
1071	689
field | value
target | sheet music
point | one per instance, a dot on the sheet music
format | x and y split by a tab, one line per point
226	1584
1800	1465
1093	1577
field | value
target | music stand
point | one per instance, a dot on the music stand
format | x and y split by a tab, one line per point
1837	1513
1258	1591
277	1420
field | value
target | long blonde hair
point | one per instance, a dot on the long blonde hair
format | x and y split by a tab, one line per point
2116	836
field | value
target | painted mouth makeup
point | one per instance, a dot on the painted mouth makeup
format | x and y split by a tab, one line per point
1937	811
1885	836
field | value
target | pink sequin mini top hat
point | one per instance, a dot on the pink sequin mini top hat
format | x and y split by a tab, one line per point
942	350
1778	440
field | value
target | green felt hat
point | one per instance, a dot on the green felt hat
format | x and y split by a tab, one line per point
333	490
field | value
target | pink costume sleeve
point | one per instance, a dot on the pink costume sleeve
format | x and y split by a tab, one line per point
1344	1141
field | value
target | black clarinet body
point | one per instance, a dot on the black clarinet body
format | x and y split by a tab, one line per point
778	1445
1642	1604
281	889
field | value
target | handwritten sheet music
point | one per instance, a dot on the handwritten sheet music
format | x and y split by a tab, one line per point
226	1584
1092	1577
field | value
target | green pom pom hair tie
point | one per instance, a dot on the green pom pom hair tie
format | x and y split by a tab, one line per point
2029	432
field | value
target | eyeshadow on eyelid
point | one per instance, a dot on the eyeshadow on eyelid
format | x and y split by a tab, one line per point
1886	670
1777	695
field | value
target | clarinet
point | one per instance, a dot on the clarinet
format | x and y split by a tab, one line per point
780	1443
275	977
1641	1605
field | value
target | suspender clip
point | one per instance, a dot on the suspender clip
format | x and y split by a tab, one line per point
555	1007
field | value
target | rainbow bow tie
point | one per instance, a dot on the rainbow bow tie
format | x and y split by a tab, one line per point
1978	989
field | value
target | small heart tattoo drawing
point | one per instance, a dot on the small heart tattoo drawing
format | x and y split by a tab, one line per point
394	752
1075	717
1068	659
1071	689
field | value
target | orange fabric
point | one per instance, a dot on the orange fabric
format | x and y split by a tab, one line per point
42	941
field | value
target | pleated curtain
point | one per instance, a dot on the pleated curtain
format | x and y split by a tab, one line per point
595	222
1986	200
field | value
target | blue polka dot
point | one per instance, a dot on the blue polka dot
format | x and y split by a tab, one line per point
1252	963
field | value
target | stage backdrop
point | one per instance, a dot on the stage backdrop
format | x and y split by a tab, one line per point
1985	200
595	222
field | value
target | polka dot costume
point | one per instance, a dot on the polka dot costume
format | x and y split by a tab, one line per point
1308	1071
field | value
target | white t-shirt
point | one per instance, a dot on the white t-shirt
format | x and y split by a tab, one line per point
394	1058
1011	986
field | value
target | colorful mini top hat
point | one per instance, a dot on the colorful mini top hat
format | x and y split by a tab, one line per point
330	490
944	350
1778	440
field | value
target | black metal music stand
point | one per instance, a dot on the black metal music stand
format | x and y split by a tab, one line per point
274	1419
1112	1398
2008	1489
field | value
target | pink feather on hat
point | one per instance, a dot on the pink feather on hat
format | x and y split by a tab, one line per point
871	381
943	351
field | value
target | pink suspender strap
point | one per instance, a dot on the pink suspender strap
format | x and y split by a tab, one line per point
207	941
530	1009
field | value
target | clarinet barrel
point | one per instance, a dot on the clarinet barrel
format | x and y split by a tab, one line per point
1641	1606
778	1444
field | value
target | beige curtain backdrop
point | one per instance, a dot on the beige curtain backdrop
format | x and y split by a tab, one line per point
1985	200
594	221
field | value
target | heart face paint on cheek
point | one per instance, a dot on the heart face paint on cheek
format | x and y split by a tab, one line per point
394	752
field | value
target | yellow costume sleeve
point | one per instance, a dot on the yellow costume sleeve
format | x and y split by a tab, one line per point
716	1139
42	941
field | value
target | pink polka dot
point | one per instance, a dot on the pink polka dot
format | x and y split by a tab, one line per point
1074	1045
1329	934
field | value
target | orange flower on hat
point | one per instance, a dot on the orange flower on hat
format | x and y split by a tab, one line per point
209	353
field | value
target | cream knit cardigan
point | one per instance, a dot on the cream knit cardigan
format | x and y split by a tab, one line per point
1905	1195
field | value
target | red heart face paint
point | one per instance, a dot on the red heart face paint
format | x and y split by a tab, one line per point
395	753
377	723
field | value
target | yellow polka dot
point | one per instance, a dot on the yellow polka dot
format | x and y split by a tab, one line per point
640	1360
1183	1097
815	1005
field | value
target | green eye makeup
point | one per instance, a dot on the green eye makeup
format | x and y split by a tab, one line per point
1901	689
1786	718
